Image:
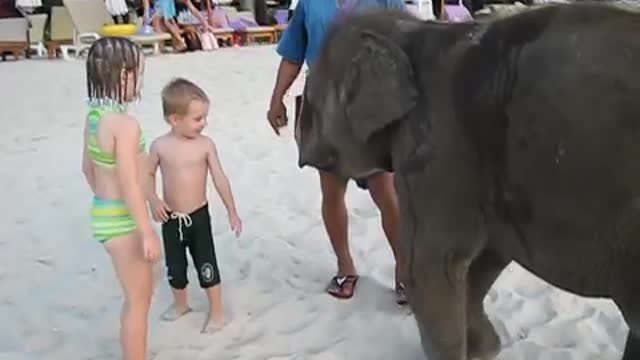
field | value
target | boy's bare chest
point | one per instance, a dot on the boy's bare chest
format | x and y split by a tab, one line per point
181	158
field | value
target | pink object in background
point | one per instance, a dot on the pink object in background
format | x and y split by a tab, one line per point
456	13
209	42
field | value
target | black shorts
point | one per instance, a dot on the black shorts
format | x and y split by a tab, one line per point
302	111
178	236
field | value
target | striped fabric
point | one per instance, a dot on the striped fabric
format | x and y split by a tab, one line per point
94	116
110	218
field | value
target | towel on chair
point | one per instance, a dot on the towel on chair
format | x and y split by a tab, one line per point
115	7
26	4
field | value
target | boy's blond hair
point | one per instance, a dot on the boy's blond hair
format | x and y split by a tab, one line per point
178	94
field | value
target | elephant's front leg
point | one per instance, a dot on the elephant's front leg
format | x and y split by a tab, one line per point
483	342
438	298
437	293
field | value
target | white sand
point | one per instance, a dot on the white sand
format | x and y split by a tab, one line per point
59	298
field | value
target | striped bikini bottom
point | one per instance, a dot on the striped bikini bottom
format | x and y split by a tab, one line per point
110	219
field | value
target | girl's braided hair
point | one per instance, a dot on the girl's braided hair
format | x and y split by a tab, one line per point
107	59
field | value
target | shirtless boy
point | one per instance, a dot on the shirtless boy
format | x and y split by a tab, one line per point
184	156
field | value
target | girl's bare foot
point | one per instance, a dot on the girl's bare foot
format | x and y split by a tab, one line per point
213	324
174	312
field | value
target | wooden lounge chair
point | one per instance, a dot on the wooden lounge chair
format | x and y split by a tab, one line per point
14	31
14	37
244	24
61	31
36	33
224	33
88	17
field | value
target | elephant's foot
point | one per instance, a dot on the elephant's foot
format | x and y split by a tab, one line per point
483	342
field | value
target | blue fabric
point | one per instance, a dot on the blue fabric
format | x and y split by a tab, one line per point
164	8
310	22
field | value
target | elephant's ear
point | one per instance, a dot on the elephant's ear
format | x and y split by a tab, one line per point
378	87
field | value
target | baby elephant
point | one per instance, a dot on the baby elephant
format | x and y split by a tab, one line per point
512	140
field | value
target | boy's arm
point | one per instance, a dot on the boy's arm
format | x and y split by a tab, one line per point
219	178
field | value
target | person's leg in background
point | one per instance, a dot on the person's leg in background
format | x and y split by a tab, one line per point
384	196
335	217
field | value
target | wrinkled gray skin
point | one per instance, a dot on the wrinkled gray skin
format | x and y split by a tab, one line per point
513	140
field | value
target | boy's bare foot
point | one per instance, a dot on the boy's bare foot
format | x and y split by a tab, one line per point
174	312
213	324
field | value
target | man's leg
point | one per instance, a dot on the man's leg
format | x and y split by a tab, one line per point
335	217
384	196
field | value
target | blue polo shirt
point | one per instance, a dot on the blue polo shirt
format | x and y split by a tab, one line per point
311	19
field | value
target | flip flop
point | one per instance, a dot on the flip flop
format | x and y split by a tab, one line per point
401	294
342	287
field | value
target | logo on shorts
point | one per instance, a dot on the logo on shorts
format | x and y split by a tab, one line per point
207	272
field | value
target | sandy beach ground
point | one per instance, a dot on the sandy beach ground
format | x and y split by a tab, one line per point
59	298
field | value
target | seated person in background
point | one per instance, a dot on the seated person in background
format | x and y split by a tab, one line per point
161	15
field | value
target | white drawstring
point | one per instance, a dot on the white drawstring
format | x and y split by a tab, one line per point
181	218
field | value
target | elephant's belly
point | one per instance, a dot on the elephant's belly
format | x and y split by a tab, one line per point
574	263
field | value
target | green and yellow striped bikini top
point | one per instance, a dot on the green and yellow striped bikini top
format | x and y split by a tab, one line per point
96	113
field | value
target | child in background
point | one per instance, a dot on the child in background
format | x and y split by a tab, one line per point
184	157
113	152
161	15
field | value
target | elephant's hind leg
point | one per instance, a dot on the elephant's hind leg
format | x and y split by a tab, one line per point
483	342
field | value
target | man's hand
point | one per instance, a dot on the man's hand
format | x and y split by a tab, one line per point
277	115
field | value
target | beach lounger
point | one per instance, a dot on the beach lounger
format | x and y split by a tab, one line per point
223	33
282	20
60	31
88	17
245	24
14	37
36	33
14	28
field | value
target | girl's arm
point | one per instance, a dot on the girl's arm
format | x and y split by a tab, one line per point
145	7
87	166
153	161
128	166
197	13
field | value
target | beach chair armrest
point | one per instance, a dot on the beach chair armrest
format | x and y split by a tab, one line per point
88	37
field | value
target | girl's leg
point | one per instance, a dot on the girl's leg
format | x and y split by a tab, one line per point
173	28
158	27
136	278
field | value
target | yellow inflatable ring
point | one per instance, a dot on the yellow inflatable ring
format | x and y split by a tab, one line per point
119	30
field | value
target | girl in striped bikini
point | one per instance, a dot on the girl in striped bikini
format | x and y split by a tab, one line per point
113	156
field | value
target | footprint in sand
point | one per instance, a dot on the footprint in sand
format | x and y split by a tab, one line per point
301	306
38	138
531	289
243	270
559	334
46	261
251	336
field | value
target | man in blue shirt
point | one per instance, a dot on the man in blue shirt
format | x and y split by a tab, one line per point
301	42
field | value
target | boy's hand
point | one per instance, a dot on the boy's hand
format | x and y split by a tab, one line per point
160	210
236	224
